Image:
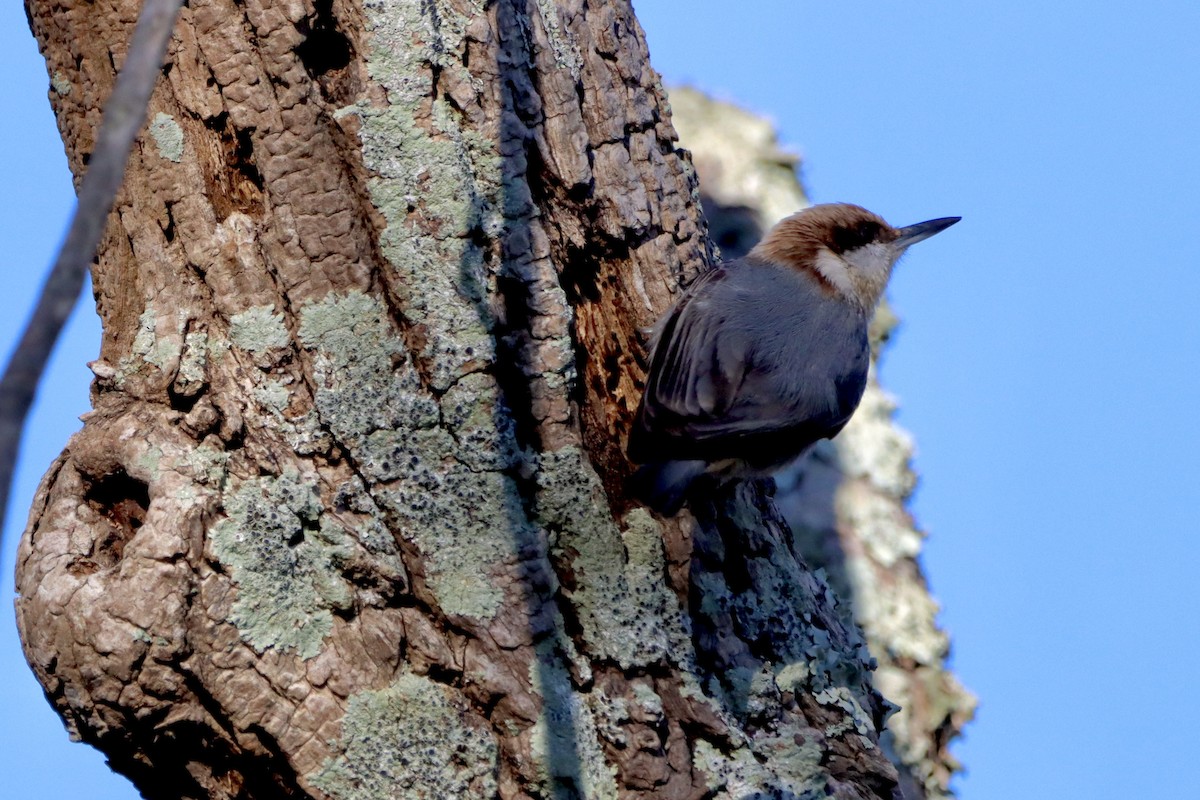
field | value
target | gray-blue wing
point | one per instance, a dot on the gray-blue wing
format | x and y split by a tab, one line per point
698	360
758	367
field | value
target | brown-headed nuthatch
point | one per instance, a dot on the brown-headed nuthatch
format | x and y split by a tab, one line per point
766	355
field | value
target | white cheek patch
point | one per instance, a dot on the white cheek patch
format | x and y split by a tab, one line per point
835	270
872	261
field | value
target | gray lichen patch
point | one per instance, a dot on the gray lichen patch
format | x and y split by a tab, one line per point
565	740
412	740
60	83
366	381
193	363
284	555
436	468
205	464
436	182
158	341
273	396
787	764
258	329
474	413
661	620
371	398
444	513
566	51
168	137
855	718
781	607
370	531
648	700
624	609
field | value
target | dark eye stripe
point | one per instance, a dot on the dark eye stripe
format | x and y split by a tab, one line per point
855	236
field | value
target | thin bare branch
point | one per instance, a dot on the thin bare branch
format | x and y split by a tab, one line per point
123	116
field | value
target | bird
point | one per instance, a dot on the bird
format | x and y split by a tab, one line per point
764	356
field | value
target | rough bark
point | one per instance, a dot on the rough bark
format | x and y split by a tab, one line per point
347	519
845	502
124	115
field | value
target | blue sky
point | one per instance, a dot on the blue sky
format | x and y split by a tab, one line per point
1046	364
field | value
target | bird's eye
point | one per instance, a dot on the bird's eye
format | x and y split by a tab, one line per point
848	238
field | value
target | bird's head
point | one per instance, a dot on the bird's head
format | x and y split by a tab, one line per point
850	250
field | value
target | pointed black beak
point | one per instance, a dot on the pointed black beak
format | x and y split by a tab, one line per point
922	231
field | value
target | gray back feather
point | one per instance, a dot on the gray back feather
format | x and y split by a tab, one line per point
752	351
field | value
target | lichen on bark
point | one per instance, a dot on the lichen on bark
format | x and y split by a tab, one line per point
371	348
285	559
410	740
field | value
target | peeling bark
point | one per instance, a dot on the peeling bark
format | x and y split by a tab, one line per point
347	519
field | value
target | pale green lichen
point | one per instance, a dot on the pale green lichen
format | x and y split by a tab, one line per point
450	177
786	765
610	714
371	398
168	137
284	555
193	363
645	696
659	614
562	43
410	741
474	413
205	464
369	529
148	460
784	610
360	390
565	739
305	434
273	395
713	764
856	718
793	677
467	525
624	610
435	182
150	343
258	329
60	83
780	608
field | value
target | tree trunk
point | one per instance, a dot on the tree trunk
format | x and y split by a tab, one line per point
347	519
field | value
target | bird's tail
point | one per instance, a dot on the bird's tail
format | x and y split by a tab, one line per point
664	485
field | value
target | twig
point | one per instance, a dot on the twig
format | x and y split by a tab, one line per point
123	116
